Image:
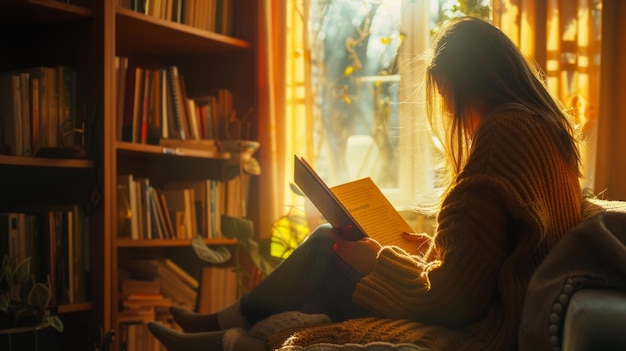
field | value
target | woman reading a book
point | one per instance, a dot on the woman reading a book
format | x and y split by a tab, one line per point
512	175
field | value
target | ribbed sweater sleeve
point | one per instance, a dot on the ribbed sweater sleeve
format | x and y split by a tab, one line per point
512	174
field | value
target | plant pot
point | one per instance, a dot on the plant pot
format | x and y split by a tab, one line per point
42	337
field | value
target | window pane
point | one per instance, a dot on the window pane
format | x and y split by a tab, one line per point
354	46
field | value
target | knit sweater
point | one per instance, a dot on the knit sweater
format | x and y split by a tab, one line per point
513	201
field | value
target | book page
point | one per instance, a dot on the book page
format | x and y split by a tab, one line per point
375	214
359	203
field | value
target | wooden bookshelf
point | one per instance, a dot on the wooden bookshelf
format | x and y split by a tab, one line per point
208	61
47	33
88	35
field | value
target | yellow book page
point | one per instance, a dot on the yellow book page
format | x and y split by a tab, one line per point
374	213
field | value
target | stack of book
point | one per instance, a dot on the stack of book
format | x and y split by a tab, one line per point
141	299
165	284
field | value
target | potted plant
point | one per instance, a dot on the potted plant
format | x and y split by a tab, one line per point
25	312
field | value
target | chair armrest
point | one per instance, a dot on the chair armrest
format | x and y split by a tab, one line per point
595	320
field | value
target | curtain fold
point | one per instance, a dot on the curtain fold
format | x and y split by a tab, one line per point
271	111
285	108
564	38
611	168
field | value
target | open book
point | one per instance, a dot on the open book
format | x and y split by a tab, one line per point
359	204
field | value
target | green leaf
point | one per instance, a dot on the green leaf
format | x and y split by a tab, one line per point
5	301
22	272
55	322
6	263
39	295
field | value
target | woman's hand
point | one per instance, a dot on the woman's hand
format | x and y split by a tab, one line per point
359	254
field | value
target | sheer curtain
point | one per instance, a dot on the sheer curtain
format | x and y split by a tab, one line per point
284	122
611	168
564	38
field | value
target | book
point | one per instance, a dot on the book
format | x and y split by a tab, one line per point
173	286
218	288
182	274
121	67
26	113
127	185
180	203
9	235
131	286
177	102
360	204
10	113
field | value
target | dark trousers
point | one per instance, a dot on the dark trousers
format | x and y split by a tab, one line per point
313	279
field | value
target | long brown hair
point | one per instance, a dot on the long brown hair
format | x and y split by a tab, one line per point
481	69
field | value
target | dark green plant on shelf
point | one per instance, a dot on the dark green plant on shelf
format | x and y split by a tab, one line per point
24	302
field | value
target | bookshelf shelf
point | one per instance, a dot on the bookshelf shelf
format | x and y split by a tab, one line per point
142	34
41	11
129	243
75	307
129	149
17	161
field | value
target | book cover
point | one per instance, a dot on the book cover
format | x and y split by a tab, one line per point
360	204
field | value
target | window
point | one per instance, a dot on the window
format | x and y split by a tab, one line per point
363	85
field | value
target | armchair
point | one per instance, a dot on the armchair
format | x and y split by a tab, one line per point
576	299
595	320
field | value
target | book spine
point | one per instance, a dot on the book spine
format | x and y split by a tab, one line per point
176	100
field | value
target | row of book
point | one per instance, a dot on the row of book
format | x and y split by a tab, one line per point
153	104
56	240
177	210
38	109
212	15
219	288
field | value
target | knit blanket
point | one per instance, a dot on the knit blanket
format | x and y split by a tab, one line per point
373	346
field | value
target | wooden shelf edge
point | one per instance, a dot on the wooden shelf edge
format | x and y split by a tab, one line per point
44	162
15	11
61	6
123	146
182	28
75	307
130	243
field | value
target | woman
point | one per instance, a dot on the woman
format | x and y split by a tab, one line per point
512	175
